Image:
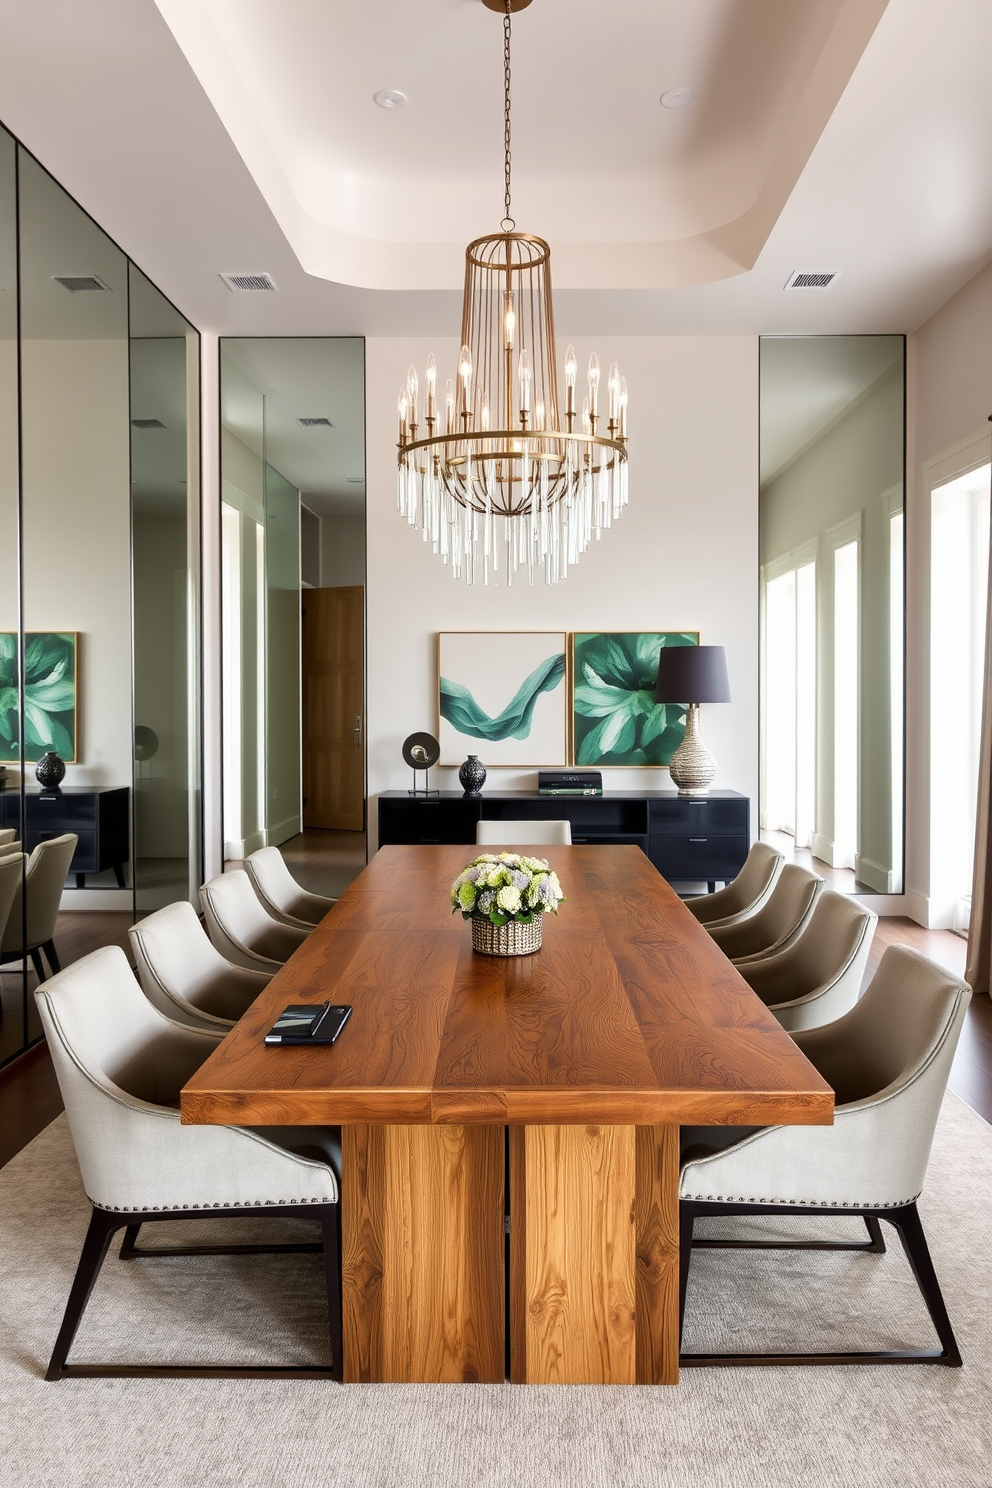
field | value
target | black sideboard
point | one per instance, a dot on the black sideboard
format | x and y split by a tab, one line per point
99	816
689	839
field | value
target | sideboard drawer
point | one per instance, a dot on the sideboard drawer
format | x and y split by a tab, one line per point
698	857
695	816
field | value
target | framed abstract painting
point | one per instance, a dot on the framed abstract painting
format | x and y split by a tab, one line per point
615	719
49	696
502	696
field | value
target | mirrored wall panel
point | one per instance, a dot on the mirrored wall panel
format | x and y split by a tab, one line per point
832	442
99	591
293	582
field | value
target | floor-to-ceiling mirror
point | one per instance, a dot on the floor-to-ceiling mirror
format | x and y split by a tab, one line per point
99	589
832	454
293	586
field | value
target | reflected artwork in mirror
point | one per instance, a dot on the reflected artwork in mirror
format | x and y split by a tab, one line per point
831	535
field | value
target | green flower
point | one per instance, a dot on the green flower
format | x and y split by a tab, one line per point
466	895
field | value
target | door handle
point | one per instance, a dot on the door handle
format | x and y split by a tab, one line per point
357	731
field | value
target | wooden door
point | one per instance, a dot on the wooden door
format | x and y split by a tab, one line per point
334	708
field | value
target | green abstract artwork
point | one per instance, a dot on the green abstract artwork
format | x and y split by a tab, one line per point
49	696
615	719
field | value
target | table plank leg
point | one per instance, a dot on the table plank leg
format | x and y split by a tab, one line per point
422	1222
657	1222
572	1254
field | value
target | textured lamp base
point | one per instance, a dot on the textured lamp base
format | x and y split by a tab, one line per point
692	768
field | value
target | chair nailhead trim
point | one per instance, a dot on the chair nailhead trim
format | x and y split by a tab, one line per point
802	1203
220	1204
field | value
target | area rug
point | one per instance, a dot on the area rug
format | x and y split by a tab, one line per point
854	1427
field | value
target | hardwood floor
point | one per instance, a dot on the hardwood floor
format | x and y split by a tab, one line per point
29	1095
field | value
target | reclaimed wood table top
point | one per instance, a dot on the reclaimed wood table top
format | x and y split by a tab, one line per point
629	1014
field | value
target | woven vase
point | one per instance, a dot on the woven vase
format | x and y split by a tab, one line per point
511	939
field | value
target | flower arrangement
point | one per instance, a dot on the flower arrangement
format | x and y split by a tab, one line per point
501	887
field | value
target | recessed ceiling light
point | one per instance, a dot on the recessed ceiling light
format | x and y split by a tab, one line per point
677	98
389	98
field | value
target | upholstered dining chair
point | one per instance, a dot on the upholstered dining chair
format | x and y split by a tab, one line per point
11	845
7	836
888	1060
745	894
120	1068
242	929
41	888
185	976
11	869
550	832
818	977
278	890
779	921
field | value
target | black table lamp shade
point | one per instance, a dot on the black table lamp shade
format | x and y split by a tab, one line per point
692	674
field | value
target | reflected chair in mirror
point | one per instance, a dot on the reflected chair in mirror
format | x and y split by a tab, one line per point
11	845
242	929
7	835
184	976
888	1060
745	894
818	977
11	869
779	921
120	1067
281	895
41	887
548	832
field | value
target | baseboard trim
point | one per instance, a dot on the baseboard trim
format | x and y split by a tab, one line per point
880	880
281	832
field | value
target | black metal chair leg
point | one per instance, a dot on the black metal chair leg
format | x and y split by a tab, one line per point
687	1220
53	956
877	1246
38	964
101	1231
330	1226
127	1251
914	1243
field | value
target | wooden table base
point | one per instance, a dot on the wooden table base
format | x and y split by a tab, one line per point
593	1260
422	1262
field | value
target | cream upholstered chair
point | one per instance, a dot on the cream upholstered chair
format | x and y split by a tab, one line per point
11	868
241	927
120	1067
779	921
281	894
184	976
550	832
42	885
7	836
11	845
818	977
888	1060
745	894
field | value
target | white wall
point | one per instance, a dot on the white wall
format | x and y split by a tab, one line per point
342	551
684	556
950	401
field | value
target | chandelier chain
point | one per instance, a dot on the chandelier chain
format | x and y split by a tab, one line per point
508	223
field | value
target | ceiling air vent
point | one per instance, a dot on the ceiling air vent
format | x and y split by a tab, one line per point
80	283
147	424
803	279
315	423
249	283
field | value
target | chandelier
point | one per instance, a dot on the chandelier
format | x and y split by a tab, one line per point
500	480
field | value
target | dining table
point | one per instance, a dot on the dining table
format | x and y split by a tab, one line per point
510	1125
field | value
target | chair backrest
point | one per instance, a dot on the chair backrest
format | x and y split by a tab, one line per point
11	845
834	945
890	1057
44	880
549	832
748	890
272	880
7	835
237	919
175	959
779	919
11	868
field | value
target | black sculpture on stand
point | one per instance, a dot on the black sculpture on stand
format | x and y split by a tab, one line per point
420	752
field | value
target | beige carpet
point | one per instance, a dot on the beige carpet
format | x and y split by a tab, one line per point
920	1427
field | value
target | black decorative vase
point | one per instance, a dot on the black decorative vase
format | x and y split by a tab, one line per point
50	771
472	775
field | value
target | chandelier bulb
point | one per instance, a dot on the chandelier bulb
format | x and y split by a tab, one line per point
402	405
449	407
431	373
539	413
509	320
571	366
622	399
526	375
465	378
